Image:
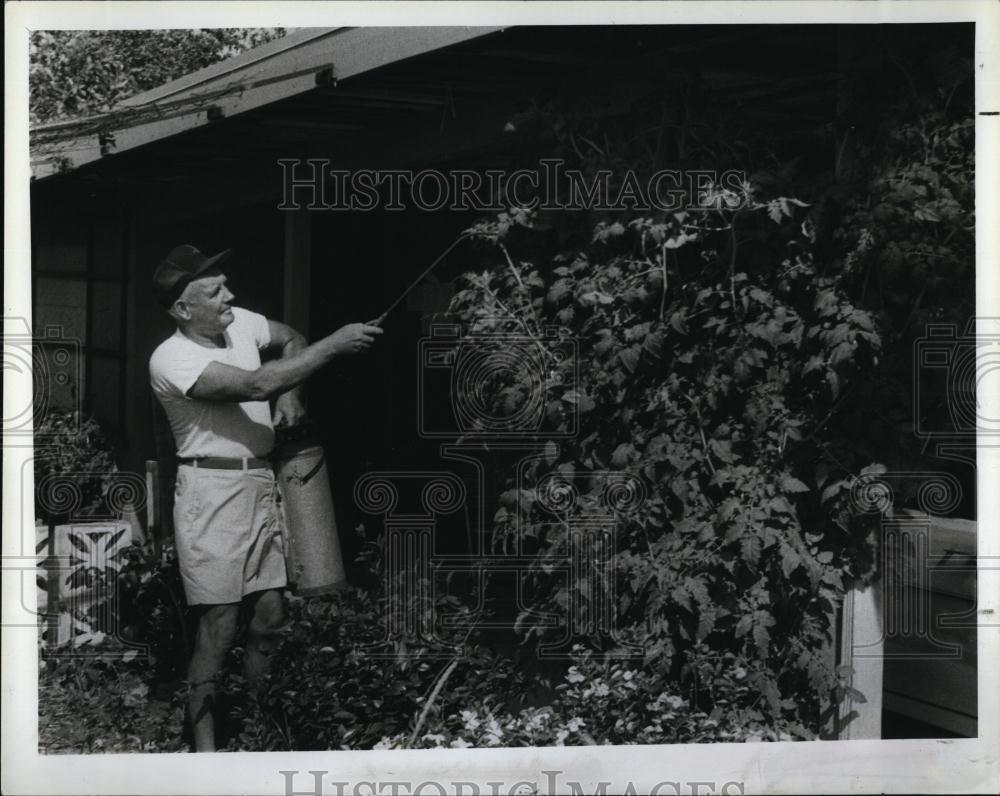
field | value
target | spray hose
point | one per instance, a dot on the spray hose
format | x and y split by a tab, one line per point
466	234
378	321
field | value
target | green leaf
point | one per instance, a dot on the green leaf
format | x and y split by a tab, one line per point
751	547
637	332
706	623
622	455
856	695
832	490
583	401
826	303
559	289
722	448
595	297
841	353
654	343
761	639
790	560
834	381
780	505
791	484
630	358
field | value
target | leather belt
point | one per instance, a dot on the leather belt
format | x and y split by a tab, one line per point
220	463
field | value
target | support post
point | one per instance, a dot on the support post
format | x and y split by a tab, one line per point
153	503
297	267
52	585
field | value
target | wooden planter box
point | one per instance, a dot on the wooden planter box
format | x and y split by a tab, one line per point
78	567
911	637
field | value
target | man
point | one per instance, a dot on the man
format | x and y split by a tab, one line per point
209	378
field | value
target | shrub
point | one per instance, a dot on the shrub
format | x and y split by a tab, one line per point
712	353
77	448
151	611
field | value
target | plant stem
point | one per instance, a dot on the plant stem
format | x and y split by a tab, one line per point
510	263
519	320
442	679
663	293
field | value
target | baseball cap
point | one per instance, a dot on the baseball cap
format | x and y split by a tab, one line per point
178	269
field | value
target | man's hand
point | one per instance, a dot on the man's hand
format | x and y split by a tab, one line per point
288	410
355	338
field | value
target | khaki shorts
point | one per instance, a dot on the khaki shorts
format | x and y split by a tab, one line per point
227	527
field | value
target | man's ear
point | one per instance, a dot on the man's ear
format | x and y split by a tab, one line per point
180	310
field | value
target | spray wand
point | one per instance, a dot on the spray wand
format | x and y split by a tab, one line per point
378	321
466	234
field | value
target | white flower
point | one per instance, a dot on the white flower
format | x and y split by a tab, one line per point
574	676
537	720
470	720
460	743
601	689
385	743
493	734
575	724
675	702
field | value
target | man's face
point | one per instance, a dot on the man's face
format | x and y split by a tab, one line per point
207	303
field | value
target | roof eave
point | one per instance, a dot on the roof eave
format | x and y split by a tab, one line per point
255	82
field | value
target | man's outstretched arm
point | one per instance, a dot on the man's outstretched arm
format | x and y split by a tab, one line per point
289	408
219	382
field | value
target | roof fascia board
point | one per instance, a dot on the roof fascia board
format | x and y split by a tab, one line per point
87	149
364	49
193	80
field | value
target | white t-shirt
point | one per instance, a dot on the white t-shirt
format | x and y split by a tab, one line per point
213	428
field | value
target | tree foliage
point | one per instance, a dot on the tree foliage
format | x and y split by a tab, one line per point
83	73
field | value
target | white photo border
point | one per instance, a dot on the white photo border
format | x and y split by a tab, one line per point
903	766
